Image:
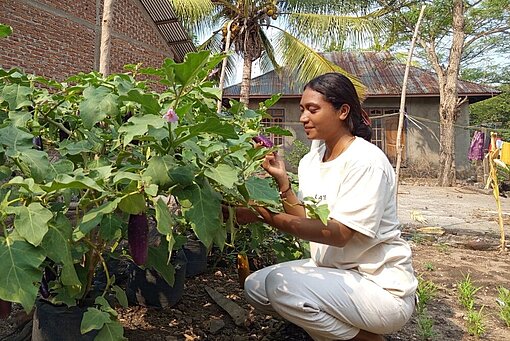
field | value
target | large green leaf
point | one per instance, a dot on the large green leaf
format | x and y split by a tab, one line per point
78	181
31	221
260	190
111	331
223	174
98	103
187	71
111	227
20	269
158	260
148	102
213	125
15	139
62	166
28	184
58	246
158	169
139	125
34	163
133	204
163	217
202	210
16	95
93	319
93	217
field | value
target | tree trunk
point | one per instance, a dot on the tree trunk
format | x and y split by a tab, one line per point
246	81
106	29
448	103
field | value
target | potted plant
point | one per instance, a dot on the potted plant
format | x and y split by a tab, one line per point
91	162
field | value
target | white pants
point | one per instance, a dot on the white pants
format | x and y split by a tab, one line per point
328	303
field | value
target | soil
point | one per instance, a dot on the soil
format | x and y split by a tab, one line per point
443	256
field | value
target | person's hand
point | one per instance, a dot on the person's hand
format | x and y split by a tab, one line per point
274	164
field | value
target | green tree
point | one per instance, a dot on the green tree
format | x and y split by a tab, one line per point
493	112
278	33
453	32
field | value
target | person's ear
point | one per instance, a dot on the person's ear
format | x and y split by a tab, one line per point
343	112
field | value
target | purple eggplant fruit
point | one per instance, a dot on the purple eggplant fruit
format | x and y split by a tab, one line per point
138	233
265	141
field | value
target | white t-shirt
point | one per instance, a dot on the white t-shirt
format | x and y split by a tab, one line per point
359	188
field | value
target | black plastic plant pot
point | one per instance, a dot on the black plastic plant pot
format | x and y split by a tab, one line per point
53	323
147	288
196	253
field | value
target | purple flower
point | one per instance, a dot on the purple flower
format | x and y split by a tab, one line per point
171	116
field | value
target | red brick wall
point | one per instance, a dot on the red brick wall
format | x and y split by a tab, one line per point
58	38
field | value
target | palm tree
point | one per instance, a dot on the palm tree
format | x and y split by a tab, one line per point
276	32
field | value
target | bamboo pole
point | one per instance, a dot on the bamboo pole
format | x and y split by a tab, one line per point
493	179
399	146
224	66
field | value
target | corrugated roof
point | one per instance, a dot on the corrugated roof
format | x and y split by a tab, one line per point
381	73
168	24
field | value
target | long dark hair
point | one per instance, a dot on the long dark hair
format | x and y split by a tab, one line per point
338	90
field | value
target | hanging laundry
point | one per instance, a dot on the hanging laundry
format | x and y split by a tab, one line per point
505	153
476	148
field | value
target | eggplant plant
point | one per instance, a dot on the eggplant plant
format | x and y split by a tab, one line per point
88	163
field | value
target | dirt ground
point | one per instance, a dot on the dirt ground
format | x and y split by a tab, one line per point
467	243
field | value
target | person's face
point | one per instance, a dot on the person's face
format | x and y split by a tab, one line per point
320	119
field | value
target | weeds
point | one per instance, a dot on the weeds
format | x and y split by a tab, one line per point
476	325
426	326
466	292
425	292
504	305
429	266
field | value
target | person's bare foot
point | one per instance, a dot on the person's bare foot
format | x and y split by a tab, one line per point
363	335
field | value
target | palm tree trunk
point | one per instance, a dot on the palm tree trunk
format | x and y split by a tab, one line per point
246	81
106	30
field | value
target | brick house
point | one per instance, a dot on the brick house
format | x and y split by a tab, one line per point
383	76
58	38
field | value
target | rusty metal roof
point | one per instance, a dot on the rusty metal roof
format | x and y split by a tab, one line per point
381	73
169	26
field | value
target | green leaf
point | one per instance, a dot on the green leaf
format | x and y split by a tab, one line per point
158	260
34	163
182	175
16	95
164	219
261	190
112	331
98	103
120	294
94	217
93	319
133	204
139	125
20	269
121	175
186	72
5	30
28	184
78	181
158	169
15	139
148	102
203	211
31	221
213	125
223	174
62	166
58	246
111	227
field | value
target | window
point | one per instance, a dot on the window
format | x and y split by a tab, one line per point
384	131
377	129
277	119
